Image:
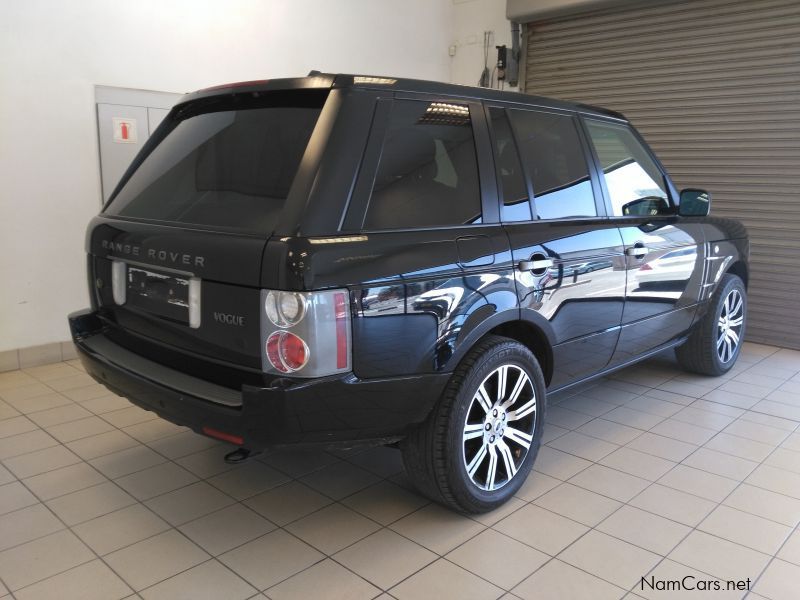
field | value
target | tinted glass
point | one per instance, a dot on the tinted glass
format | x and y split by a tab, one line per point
510	178
554	157
428	172
634	181
227	168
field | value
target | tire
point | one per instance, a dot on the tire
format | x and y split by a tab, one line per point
440	453
715	343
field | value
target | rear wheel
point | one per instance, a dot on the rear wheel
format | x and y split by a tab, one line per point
479	443
714	345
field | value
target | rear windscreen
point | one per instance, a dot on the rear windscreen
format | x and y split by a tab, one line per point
224	162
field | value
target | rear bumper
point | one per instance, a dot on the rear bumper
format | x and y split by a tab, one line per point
327	410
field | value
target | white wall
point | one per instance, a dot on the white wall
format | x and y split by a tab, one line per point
52	53
470	19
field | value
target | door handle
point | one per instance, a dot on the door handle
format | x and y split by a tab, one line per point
639	250
537	265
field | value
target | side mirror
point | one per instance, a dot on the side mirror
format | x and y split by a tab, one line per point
694	203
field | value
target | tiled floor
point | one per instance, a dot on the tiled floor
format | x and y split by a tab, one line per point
650	473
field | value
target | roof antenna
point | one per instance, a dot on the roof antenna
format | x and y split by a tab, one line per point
313	73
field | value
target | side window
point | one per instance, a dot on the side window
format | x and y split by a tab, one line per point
511	181
553	154
634	182
428	171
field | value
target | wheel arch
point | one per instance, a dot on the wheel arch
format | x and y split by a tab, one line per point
740	269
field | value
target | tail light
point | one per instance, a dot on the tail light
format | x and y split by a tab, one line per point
305	334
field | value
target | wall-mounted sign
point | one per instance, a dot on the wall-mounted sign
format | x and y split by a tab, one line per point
124	130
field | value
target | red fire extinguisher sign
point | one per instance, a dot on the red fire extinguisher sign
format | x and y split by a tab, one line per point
124	130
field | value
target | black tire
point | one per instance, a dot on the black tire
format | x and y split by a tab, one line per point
434	453
699	354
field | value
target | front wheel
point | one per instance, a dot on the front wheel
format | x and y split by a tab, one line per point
479	443
714	345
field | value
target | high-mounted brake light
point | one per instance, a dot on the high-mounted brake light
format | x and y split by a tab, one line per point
305	334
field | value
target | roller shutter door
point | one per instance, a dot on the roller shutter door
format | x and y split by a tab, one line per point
714	86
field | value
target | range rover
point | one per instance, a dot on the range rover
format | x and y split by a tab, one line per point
339	260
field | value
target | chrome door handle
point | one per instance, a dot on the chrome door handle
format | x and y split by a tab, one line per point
637	251
535	265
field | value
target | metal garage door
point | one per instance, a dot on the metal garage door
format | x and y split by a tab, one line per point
714	86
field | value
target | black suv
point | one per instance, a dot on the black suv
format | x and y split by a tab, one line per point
344	259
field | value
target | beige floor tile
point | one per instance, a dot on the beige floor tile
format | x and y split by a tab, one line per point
24	443
332	528
75	380
633	418
129	416
38	403
437	528
385	558
578	504
703	418
90	503
535	485
765	503
7	412
720	463
120	528
661	446
271	558
157	558
248	480
716	407
791	549
644	529
49	372
383	461
298	462
700	483
610	431
745	529
586	405
63	481
565	581
6	476
673	504
76	430
563	417
610	482
188	503
207	463
287	502
558	464
584	446
776	480
731	399
610	393
102	444
784	459
739	446
552	432
656	406
207	580
340	480
18	396
152	430
59	414
89	581
182	444
756	431
27	524
443	580
338	583
127	461
747	389
779	581
719	557
84	393
611	559
683	432
42	558
14	496
638	463
778	409
653	585
16	425
541	529
155	481
492	517
792	442
385	502
498	558
104	404
40	461
226	529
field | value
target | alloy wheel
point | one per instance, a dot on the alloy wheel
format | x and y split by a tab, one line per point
729	326
499	427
